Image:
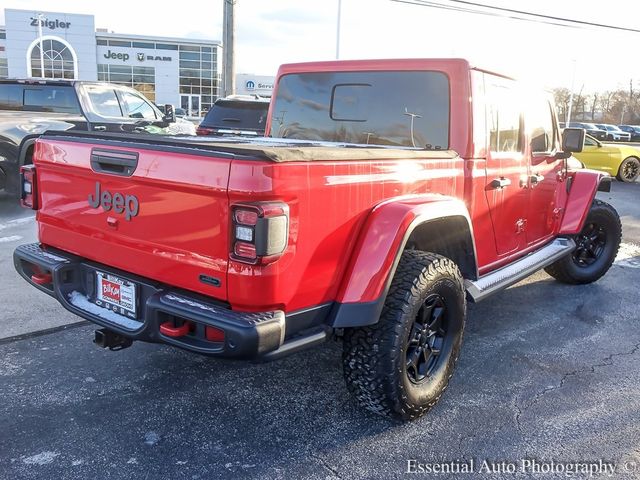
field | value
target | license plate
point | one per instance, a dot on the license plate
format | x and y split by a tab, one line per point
116	294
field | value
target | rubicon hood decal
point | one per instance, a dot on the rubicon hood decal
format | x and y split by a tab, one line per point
118	202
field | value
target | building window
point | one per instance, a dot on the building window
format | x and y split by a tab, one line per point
102	43
3	35
143	45
199	78
142	79
4	68
166	46
58	59
119	43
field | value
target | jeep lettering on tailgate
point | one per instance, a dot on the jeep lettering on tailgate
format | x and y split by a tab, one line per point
127	204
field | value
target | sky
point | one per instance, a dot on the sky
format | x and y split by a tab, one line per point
272	32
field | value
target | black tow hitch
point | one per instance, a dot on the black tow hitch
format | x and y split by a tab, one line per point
108	339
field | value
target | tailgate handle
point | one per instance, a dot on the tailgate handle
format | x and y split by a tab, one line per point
114	162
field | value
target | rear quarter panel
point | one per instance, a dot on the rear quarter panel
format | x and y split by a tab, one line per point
329	202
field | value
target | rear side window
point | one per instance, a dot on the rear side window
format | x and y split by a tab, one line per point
104	101
238	115
10	96
503	117
39	98
402	108
51	99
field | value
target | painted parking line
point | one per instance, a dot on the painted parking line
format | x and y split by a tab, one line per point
628	255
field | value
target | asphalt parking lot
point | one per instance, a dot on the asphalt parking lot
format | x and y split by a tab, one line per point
547	372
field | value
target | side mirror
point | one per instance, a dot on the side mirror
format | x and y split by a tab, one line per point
169	114
573	140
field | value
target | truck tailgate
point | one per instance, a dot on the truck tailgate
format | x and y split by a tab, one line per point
166	218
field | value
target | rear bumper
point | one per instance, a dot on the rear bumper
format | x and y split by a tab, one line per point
72	280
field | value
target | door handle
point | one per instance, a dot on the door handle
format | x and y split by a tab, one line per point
536	179
100	128
500	182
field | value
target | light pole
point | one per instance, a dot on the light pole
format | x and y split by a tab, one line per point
40	19
229	34
338	30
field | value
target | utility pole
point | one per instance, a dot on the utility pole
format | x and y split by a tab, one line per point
228	44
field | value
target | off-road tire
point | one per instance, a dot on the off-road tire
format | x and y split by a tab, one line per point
629	170
375	357
569	270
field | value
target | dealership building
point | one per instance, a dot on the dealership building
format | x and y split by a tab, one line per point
181	71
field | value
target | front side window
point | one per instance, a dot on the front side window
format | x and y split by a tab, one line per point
137	107
401	108
104	101
541	127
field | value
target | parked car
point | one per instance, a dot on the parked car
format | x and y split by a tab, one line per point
633	130
591	129
383	201
31	107
621	161
236	115
614	133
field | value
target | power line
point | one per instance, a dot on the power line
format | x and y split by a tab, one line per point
514	14
550	17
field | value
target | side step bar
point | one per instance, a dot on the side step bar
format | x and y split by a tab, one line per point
514	272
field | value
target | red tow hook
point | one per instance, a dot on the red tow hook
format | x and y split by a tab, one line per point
41	278
169	330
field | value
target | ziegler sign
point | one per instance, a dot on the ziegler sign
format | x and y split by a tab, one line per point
140	56
51	24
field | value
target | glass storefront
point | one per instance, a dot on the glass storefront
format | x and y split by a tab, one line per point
142	79
199	78
4	68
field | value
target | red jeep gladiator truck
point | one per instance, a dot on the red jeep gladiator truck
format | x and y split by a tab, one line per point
386	195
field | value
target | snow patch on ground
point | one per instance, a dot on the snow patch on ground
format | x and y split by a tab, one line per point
41	458
12	238
628	255
16	221
80	301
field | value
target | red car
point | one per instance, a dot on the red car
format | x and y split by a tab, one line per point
390	193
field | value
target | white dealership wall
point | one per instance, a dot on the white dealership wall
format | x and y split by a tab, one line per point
80	33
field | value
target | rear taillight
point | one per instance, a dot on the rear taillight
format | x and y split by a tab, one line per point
259	232
28	187
204	131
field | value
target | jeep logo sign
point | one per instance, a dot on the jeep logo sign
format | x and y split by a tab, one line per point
119	203
118	56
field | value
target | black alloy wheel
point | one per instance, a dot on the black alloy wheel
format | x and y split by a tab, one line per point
590	243
596	247
426	339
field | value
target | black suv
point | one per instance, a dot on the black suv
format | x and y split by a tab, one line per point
236	115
